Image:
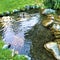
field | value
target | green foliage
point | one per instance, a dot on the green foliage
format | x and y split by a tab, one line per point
9	5
49	3
19	57
57	4
54	4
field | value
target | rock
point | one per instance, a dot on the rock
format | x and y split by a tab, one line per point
48	11
6	13
35	7
57	33
57	36
6	19
53	48
6	46
27	7
15	11
46	23
56	26
58	42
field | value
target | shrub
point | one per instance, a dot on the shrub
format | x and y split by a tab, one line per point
54	4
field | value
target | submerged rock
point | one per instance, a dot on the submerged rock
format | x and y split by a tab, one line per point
7	13
54	49
48	11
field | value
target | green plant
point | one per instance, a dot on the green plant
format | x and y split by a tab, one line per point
54	4
57	4
10	5
49	3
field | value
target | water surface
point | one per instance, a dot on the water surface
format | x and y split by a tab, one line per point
27	35
14	32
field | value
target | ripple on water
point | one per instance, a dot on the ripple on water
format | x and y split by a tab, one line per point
14	33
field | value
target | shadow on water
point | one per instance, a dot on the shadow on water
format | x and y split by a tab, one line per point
28	36
40	36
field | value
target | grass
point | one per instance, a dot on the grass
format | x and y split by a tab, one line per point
6	54
9	5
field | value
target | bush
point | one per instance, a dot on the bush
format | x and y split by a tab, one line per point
57	4
54	4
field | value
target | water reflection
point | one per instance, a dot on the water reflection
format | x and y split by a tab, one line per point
14	32
39	36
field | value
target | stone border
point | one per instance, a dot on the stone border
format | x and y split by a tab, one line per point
26	8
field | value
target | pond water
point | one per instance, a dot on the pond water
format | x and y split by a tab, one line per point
27	35
14	32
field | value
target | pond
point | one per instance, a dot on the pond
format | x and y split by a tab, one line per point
26	34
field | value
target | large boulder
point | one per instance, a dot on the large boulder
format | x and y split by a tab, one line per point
48	11
53	48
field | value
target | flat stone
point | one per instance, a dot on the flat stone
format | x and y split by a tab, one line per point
53	48
58	42
57	33
46	23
